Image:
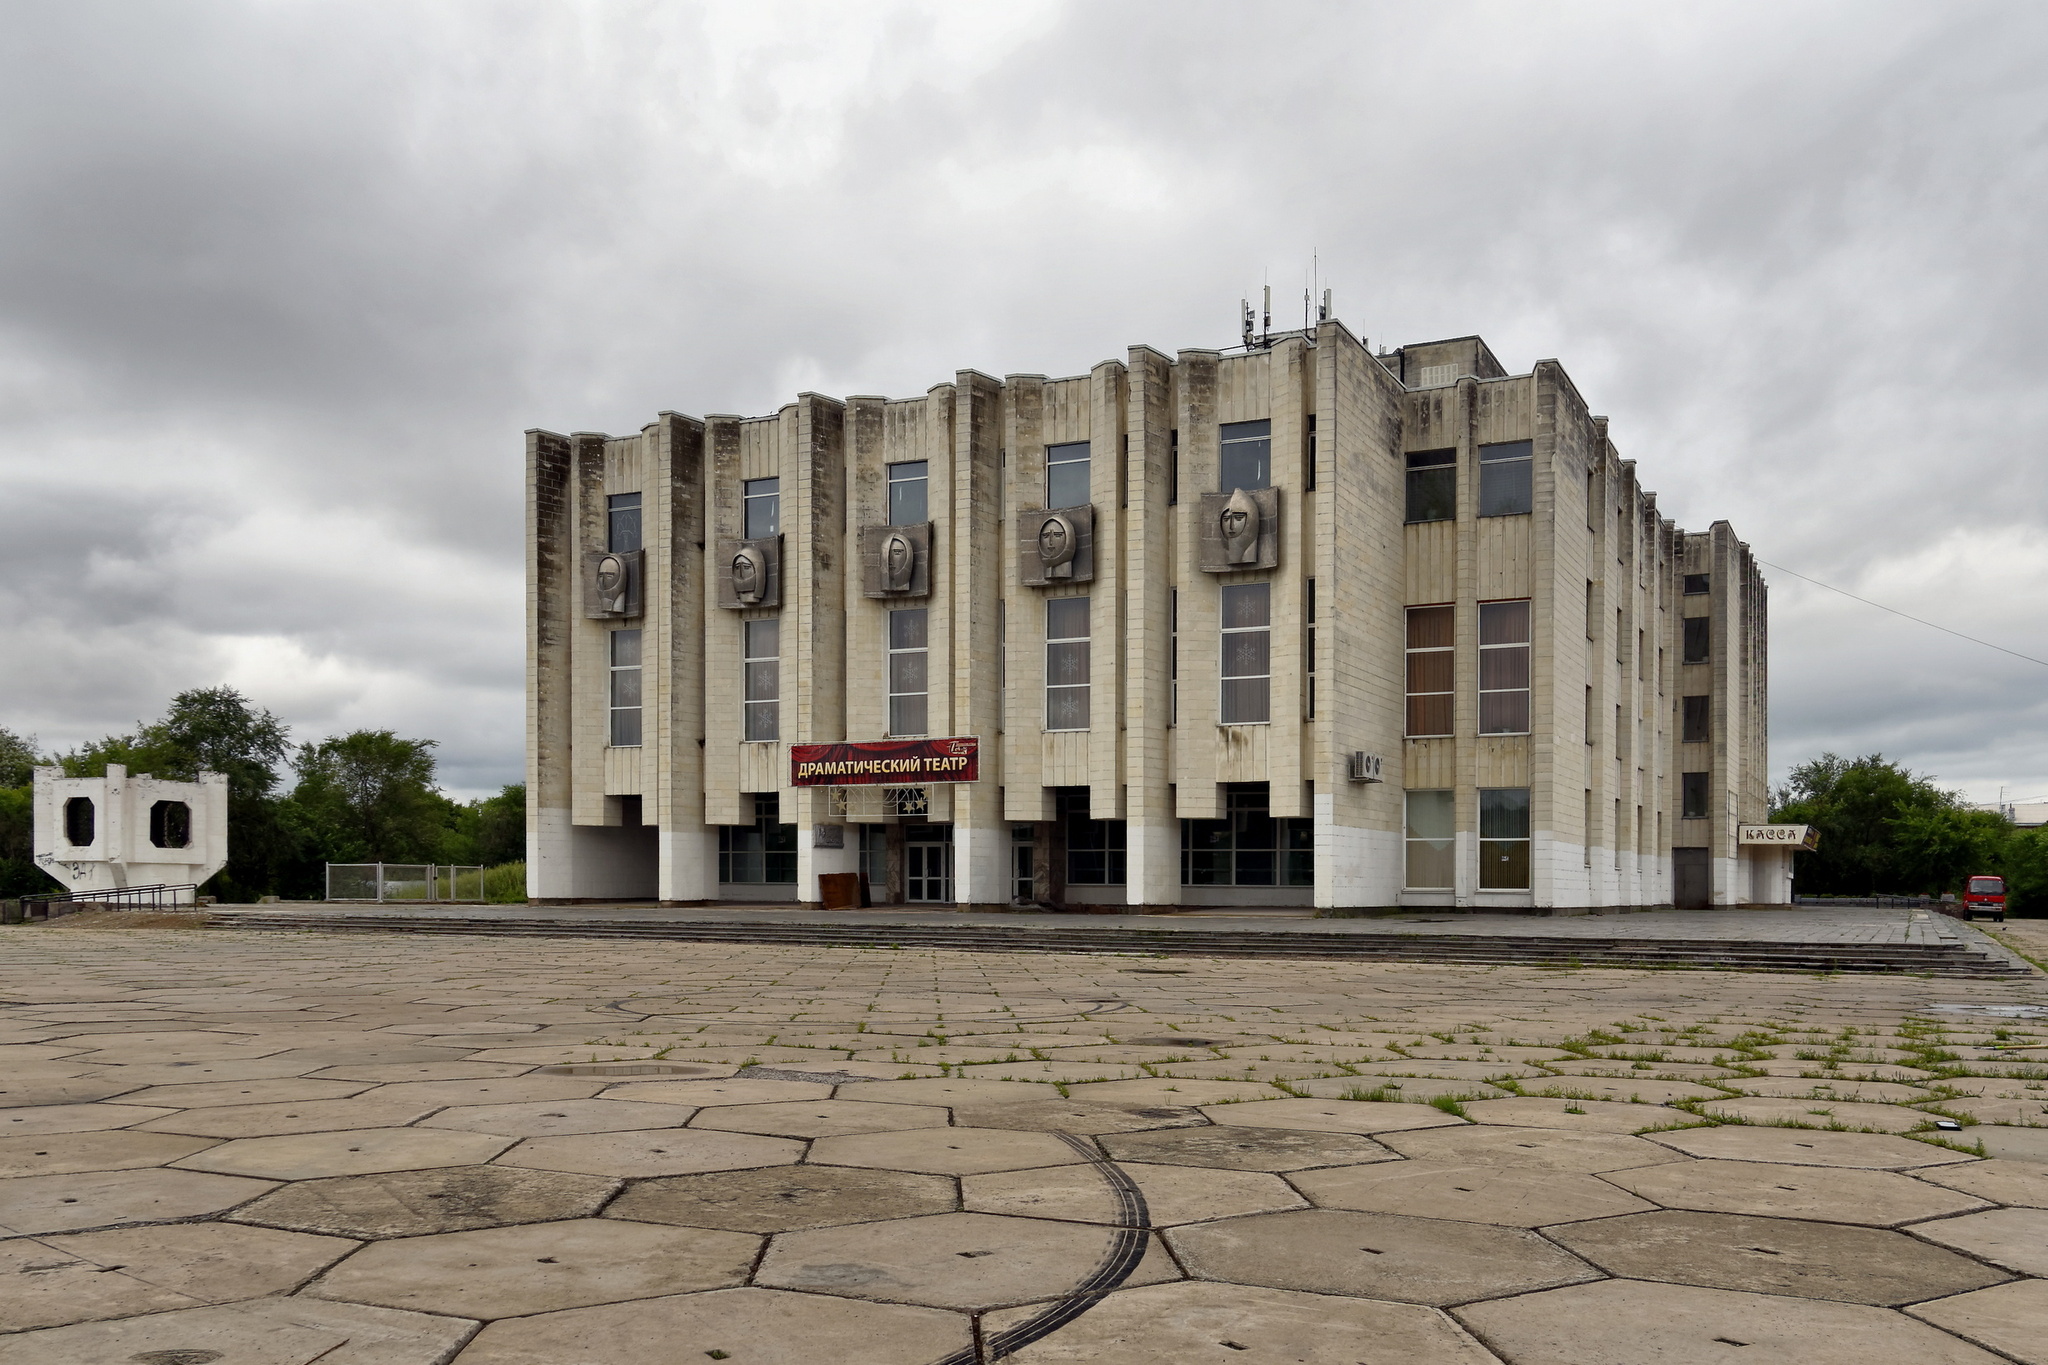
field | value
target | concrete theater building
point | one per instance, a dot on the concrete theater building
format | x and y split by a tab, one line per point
1291	624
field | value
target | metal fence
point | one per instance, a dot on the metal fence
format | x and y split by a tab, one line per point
404	882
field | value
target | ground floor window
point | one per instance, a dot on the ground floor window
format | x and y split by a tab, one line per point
874	858
1504	839
1095	848
1248	847
1023	870
764	851
1432	830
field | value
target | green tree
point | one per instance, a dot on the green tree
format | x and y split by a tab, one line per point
19	875
214	729
501	827
369	797
1884	829
18	759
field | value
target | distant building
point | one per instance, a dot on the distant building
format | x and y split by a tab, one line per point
1292	624
2023	814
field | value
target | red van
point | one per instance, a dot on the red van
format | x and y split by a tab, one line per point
1984	895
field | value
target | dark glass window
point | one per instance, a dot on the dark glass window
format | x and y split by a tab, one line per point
763	499
170	824
622	522
909	685
1308	631
79	821
1432	485
1248	847
1693	795
1698	723
1066	663
1247	456
1095	848
1698	639
1504	636
1430	673
1503	838
1173	467
908	505
1697	582
1247	665
764	851
1066	475
1310	481
1506	479
625	688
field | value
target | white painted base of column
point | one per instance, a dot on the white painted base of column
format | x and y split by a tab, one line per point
981	864
689	865
1152	863
812	861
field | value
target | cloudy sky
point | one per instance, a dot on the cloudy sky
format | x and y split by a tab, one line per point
281	284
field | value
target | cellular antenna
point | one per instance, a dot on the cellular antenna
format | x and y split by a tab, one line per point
1325	316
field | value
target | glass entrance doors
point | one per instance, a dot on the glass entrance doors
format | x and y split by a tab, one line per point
928	864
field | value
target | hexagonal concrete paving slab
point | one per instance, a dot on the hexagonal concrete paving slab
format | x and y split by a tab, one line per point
97	1199
2012	1318
784	1198
666	1151
944	1151
1246	1149
749	1326
1625	1322
1331	1116
1805	1147
442	1199
1512	1196
1586	1116
1774	1256
1376	1256
1078	1116
947	1260
1828	1194
738	1090
550	1118
271	1120
275	1331
1545	1148
539	1267
1884	1118
1173	1194
820	1118
1175	1324
2000	1180
109	1151
306	1156
2014	1238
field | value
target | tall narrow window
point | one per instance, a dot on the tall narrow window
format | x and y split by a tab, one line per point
763	500
1247	671
1432	485
909	686
1095	848
1310	481
764	851
1592	734
1586	849
764	679
1066	663
1248	847
1698	639
1692	795
622	523
1308	614
1504	838
1066	475
625	688
1697	719
1504	668
1430	673
1173	467
1617	832
1173	656
1506	479
1246	456
908	505
1432	844
79	821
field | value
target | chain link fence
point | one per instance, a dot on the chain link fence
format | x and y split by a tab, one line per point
382	882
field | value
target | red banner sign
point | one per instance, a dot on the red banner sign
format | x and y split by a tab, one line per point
885	763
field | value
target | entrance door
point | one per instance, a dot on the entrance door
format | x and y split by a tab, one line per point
1691	887
928	864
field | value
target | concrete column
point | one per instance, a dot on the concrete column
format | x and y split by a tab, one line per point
978	551
550	603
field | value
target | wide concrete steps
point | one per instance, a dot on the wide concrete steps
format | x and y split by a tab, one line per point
1944	959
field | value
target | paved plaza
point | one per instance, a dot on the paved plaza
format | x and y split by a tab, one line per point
241	1147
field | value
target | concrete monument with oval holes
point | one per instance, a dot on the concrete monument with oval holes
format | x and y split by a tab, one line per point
115	832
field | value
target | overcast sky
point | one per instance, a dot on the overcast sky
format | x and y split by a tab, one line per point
281	285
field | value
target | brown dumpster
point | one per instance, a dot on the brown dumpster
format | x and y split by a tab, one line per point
839	890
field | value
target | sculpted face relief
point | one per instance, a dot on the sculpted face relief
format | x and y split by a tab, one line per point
1240	525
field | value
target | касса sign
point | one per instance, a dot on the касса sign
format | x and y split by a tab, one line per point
1785	836
885	763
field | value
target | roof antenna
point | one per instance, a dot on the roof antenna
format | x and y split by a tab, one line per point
1244	320
1325	317
1266	329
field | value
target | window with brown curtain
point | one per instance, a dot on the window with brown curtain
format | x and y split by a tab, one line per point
1431	673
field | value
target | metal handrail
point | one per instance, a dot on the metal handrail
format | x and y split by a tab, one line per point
127	897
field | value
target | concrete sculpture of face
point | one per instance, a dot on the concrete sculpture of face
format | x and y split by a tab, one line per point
748	576
611	583
897	561
1056	546
1240	525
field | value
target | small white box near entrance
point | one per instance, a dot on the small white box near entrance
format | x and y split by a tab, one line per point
110	833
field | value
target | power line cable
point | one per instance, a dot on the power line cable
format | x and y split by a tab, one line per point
1896	612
